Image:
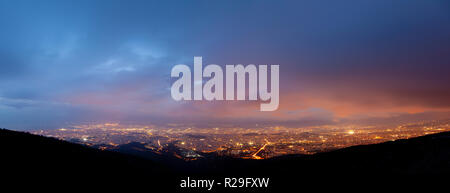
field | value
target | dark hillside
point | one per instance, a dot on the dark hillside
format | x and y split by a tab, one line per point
399	165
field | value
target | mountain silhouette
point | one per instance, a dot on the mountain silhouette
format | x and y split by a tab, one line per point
37	160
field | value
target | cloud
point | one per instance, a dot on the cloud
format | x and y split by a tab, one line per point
90	60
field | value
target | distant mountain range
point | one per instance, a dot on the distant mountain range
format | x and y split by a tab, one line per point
47	162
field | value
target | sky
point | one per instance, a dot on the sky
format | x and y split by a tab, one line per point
340	61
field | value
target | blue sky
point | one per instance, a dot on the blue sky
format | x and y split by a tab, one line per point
71	61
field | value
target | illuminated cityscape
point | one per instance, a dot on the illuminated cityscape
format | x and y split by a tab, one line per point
246	143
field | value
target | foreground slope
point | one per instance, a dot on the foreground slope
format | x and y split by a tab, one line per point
399	164
47	162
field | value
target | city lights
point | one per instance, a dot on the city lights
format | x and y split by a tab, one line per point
247	143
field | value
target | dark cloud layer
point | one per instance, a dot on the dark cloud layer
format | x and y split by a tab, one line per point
97	60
